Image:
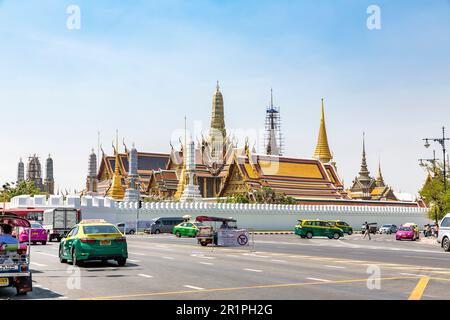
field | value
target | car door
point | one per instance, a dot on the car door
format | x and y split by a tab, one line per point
189	229
66	243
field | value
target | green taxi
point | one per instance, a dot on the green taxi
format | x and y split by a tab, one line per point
186	229
93	240
346	228
317	228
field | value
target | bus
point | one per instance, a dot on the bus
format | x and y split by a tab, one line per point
31	214
57	221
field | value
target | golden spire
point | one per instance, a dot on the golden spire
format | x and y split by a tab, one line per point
116	191
322	151
217	129
183	175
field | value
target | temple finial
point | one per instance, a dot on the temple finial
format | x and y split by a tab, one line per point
322	151
217	86
271	97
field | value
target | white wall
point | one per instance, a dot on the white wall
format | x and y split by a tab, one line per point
254	216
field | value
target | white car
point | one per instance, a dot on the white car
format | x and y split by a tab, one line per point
444	233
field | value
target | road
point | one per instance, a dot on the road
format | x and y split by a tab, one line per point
276	267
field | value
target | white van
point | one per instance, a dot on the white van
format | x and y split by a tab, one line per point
444	233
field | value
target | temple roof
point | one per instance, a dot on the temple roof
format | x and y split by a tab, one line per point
299	178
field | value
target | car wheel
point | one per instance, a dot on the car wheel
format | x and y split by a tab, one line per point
19	293
350	233
75	261
303	237
44	243
309	235
178	234
61	259
203	243
157	231
121	262
446	244
336	236
34	242
131	232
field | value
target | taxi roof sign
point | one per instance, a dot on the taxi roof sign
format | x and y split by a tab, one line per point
88	221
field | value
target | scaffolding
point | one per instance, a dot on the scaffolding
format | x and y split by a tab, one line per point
273	138
34	172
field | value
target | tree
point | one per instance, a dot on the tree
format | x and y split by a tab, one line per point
11	189
434	194
265	195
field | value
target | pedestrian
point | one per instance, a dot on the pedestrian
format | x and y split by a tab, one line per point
367	230
6	236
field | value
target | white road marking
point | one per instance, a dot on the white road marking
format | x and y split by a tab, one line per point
168	258
275	260
232	255
207	263
412	274
137	253
202	256
254	255
253	270
46	254
131	260
37	285
38	264
336	267
193	287
318	279
144	275
63	297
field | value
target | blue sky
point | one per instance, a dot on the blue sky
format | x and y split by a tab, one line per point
140	66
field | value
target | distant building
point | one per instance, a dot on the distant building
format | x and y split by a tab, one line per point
20	171
34	174
367	188
49	182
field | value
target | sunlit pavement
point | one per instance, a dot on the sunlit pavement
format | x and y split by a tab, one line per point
272	267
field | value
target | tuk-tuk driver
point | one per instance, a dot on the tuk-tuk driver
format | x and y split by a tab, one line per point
6	235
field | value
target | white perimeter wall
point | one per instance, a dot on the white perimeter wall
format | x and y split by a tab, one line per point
252	216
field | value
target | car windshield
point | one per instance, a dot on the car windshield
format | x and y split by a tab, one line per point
405	228
99	229
386	225
36	226
198	224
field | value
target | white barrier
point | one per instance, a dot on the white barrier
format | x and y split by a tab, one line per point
255	216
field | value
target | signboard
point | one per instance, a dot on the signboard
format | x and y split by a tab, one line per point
232	237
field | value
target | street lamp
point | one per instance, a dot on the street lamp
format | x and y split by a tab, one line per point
441	141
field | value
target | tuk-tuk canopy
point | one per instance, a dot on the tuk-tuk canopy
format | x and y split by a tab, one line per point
206	218
14	221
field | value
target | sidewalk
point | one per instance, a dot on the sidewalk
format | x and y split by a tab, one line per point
429	241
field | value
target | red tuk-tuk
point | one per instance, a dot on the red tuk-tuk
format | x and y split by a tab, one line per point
221	232
14	256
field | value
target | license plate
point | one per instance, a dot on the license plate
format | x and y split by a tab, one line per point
4	282
35	233
105	242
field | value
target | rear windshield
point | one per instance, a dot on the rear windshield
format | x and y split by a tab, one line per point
36	226
405	229
99	229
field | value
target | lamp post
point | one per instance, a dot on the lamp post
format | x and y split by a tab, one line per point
442	143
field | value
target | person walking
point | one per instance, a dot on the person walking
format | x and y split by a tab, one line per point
367	230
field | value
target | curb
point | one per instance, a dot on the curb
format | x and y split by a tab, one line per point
271	232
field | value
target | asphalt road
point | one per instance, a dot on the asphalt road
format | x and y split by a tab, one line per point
275	267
